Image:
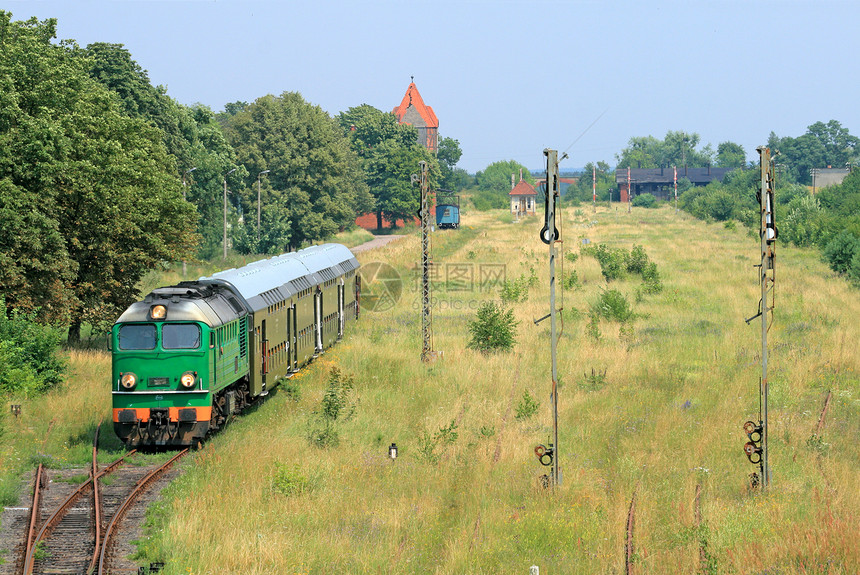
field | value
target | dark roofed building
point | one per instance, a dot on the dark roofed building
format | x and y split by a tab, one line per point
660	182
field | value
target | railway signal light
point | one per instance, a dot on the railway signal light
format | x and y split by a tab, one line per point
545	454
753	447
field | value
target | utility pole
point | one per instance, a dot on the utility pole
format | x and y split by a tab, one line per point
427	353
757	449
675	179
549	235
225	210
628	189
185	197
594	187
258	205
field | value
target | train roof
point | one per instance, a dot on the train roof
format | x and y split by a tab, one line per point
266	282
229	294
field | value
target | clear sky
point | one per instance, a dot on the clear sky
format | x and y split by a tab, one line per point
507	78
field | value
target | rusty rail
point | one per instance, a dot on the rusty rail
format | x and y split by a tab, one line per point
34	516
97	502
138	489
61	511
821	417
629	551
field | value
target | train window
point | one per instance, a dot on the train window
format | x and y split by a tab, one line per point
180	336
137	336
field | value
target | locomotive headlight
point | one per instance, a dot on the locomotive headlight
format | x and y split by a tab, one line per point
187	379
158	312
128	380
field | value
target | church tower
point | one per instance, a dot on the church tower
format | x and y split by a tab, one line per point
413	111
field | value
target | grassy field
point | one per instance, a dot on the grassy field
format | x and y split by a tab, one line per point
653	407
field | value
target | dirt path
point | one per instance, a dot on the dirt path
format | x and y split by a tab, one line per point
377	242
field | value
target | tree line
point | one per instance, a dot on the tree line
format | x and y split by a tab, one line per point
103	176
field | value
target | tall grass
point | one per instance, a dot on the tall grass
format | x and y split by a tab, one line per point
676	384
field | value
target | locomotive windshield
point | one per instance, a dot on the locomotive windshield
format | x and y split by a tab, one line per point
180	336
137	336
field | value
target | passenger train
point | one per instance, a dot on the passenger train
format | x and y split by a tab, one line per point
189	356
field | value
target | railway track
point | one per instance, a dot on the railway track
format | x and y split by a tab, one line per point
87	529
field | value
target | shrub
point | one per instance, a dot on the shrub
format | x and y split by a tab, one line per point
428	442
28	353
839	252
527	407
645	201
613	305
289	480
613	261
638	260
571	281
494	329
336	406
651	279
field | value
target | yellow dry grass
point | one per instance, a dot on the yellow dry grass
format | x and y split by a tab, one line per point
678	387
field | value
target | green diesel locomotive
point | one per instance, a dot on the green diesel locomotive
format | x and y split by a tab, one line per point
189	356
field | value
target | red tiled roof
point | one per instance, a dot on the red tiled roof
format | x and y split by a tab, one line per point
413	97
523	188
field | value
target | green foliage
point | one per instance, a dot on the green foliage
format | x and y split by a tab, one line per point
96	192
592	328
448	154
676	149
645	201
337	403
517	290
337	406
638	260
840	251
571	281
823	144
428	442
314	187
288	480
802	225
494	329
29	363
389	154
595	381
731	155
527	406
613	261
651	279
612	305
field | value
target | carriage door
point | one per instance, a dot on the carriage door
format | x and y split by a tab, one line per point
318	318
340	318
295	338
264	348
357	279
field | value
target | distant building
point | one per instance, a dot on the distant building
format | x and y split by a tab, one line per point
413	111
523	197
563	185
824	177
659	182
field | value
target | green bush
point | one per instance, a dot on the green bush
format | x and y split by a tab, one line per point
651	279
527	407
638	260
494	329
839	252
613	261
28	353
613	305
645	201
289	480
337	406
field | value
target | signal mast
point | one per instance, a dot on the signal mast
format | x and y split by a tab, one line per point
756	448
